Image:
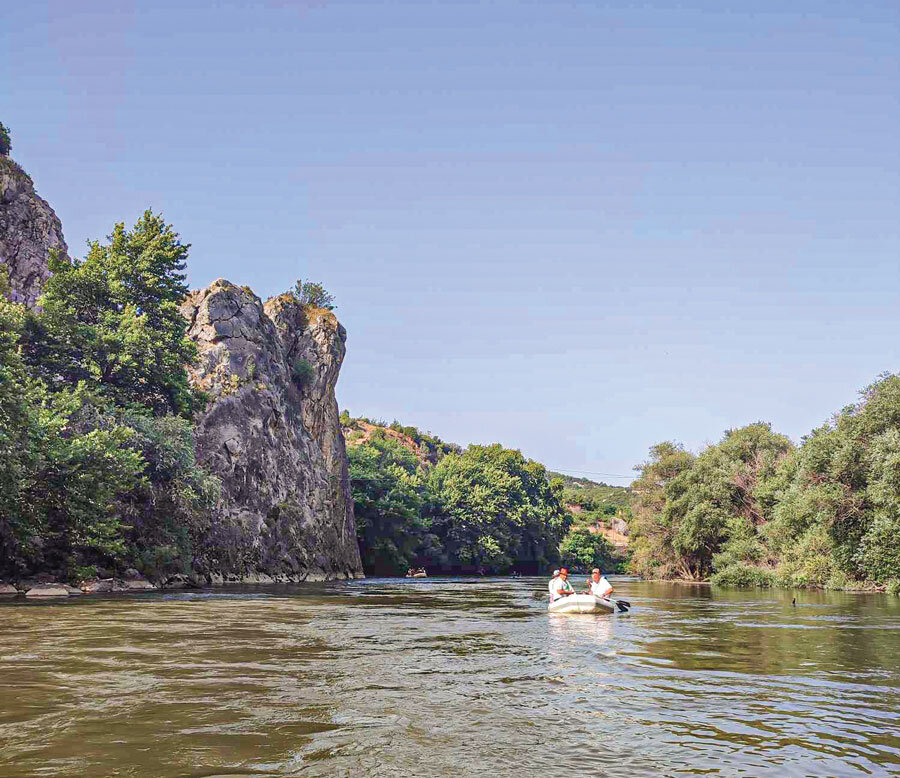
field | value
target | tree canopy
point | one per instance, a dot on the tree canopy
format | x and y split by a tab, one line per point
756	510
97	461
111	321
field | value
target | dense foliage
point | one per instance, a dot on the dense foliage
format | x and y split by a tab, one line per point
485	509
583	549
599	512
97	465
756	510
5	141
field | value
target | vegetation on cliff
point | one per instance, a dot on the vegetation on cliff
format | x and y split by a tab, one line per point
756	510
97	466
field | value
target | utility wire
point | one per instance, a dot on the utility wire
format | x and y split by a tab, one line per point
591	472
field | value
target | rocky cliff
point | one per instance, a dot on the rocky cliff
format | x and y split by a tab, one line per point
29	231
271	433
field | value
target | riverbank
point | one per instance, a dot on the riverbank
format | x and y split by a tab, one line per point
48	586
853	587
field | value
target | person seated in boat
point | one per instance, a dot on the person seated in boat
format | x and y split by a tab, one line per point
598	585
560	587
552	581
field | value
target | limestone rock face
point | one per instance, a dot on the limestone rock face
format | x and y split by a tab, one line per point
29	230
271	434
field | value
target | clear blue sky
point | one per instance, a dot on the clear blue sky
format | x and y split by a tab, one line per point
576	228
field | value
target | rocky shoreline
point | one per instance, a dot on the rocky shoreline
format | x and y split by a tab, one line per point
44	587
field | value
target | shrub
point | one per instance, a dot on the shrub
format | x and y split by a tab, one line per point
312	293
741	575
302	372
5	142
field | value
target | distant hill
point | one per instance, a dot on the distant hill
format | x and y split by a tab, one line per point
594	495
427	448
599	507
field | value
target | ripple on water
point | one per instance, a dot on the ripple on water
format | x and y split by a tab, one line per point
449	677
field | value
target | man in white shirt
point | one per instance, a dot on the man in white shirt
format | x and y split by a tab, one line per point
552	580
560	587
598	585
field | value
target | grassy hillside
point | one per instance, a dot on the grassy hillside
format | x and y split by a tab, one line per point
594	496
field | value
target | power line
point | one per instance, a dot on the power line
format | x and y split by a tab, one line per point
591	472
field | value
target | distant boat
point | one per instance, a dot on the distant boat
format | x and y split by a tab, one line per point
420	573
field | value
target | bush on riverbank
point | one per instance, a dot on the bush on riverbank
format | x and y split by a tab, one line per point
756	510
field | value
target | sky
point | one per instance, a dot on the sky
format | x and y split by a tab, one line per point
574	228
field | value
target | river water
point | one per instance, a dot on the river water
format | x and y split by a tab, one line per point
450	677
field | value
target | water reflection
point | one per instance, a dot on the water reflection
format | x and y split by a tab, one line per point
450	677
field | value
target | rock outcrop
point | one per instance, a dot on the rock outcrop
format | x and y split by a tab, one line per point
270	431
29	231
271	434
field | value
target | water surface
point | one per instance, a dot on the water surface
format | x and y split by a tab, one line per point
450	677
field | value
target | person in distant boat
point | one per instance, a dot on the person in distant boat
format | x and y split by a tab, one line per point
552	581
598	585
560	587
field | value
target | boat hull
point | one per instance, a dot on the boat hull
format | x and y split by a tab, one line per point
582	603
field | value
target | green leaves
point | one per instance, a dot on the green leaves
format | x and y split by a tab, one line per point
388	494
97	463
584	550
487	508
754	509
112	321
496	510
312	293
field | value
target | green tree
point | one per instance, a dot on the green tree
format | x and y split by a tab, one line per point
5	141
837	501
651	538
696	515
111	321
60	471
312	293
582	549
494	510
388	496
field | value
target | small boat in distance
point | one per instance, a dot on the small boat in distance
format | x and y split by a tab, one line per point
416	573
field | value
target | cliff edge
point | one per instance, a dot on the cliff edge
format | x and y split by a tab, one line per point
29	231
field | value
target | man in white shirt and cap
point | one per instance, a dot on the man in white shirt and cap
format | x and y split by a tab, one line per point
550	585
598	585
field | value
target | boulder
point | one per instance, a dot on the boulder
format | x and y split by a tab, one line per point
137	585
97	585
47	590
178	581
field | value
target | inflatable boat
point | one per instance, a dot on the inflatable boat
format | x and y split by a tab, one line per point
582	603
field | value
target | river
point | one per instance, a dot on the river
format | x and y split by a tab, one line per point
450	677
